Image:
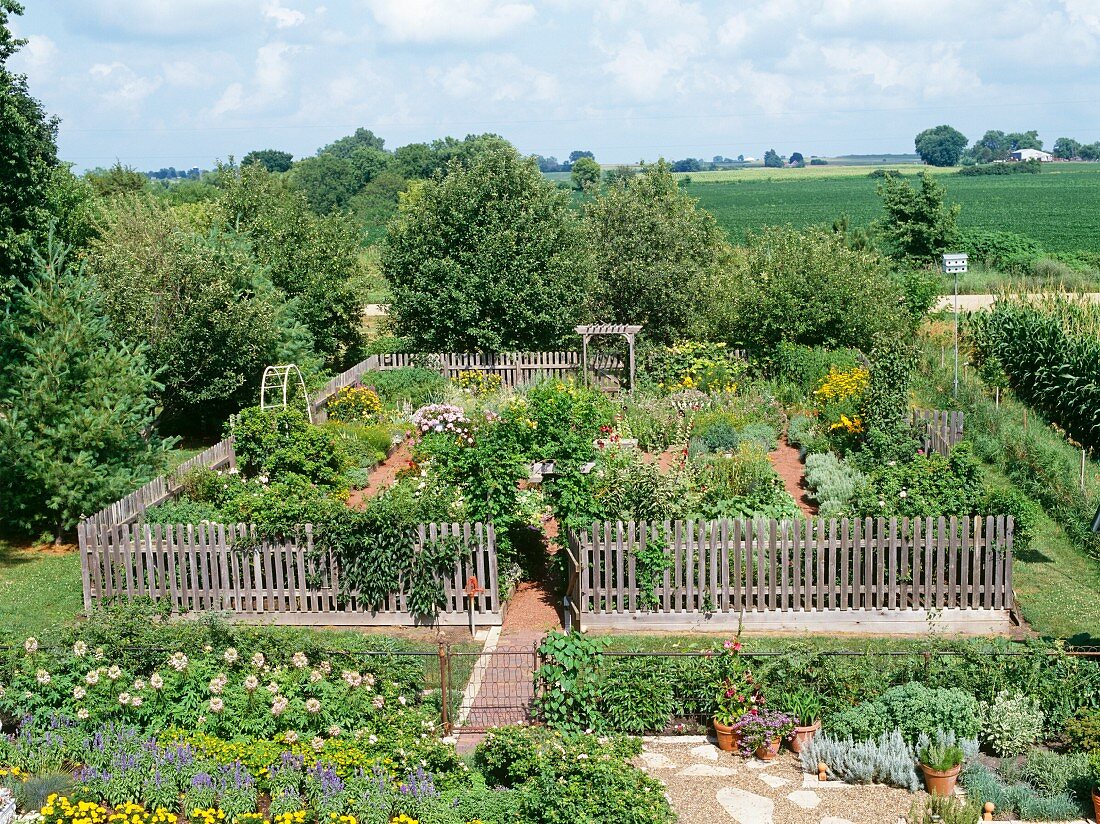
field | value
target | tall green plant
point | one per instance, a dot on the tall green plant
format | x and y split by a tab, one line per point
76	405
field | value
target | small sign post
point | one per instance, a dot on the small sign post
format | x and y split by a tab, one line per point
955	263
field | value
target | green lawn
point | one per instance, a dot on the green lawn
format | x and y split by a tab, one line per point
39	589
1055	207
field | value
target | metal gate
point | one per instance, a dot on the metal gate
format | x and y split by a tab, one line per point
491	688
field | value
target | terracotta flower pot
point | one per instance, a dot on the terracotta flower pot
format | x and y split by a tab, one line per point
1096	803
728	738
803	735
770	750
940	782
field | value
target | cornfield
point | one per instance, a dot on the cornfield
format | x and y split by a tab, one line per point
1049	351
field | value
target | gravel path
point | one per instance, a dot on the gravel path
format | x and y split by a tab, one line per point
705	785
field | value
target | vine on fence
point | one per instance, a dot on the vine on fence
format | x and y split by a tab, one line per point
651	559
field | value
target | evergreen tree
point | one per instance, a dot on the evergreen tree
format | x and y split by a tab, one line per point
28	155
75	403
919	224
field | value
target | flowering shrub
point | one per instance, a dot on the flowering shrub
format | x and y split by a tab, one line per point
354	404
477	382
439	418
698	365
760	726
839	400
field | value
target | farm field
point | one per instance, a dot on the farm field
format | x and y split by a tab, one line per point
1055	207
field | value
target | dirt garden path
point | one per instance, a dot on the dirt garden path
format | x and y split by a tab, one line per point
787	464
382	476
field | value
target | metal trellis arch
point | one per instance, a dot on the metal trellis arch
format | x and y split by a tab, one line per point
277	381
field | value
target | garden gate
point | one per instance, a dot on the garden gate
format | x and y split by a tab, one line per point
499	685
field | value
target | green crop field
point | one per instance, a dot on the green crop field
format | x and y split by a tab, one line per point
1060	207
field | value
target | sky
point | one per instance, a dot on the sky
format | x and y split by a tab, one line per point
155	83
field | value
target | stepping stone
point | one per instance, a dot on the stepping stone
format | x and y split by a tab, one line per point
834	820
706	751
812	782
745	807
806	799
657	761
757	764
773	781
707	770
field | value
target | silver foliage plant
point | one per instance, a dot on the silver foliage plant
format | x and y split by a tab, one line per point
885	760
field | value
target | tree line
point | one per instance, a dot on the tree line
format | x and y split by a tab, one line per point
946	146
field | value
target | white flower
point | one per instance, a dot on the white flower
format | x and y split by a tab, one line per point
98	653
78	692
135	701
291	737
315	676
273	688
378	702
258	660
178	661
317	743
278	706
903	494
92	678
139	685
893	463
369	679
299	660
201	719
80	649
882	503
207	648
313	706
114	673
372	739
124	698
334	731
155	681
42	677
230	655
82	714
31	645
251	683
403	700
216	704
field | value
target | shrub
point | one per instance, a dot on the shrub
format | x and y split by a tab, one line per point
509	756
570	687
807	366
1053	773
414	386
701	365
365	446
926	485
716	432
1011	723
1083	730
279	442
886	759
1018	799
833	482
477	382
761	435
354	404
911	708
596	792
1024	511
939	809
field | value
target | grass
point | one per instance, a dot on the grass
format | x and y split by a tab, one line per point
39	589
1052	207
981	280
1056	586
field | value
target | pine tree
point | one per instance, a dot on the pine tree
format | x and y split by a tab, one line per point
75	403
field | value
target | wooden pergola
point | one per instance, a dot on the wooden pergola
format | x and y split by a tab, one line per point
590	330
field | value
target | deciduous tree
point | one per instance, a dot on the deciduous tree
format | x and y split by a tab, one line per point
940	145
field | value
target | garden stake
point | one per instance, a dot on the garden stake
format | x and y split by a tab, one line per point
443	688
987	811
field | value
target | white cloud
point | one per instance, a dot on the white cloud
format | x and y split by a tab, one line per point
437	21
159	19
121	87
231	100
499	78
283	17
640	69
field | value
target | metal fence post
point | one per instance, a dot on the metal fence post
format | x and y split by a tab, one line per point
444	667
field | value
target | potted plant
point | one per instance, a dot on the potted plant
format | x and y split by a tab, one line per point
735	693
804	707
762	732
941	767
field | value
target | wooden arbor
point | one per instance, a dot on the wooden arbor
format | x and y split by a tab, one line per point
588	331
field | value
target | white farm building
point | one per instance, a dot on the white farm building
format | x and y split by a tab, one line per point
1031	154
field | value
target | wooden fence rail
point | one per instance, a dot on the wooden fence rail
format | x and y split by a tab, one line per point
795	574
220	567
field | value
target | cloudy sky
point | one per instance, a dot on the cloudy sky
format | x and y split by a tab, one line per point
181	82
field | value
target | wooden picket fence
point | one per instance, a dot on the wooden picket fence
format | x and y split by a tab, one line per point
852	574
939	429
200	568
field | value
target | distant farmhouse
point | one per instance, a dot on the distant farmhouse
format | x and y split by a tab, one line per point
1031	154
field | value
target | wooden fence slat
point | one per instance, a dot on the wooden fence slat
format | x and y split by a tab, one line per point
620	567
